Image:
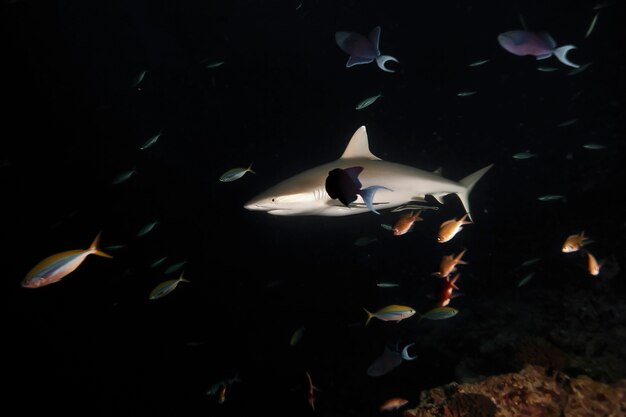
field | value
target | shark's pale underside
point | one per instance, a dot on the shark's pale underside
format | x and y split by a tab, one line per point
305	193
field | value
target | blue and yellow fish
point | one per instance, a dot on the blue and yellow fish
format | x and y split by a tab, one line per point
54	268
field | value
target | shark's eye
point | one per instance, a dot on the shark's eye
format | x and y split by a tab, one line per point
273	200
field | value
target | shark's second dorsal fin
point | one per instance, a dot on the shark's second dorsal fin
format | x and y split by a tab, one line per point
359	146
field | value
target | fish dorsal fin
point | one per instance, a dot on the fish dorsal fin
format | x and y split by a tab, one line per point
359	146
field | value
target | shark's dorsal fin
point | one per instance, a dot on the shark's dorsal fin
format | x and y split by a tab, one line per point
358	147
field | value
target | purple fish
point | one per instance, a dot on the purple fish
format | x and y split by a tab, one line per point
539	44
344	185
363	50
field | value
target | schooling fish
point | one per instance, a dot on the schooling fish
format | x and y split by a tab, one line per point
444	294
344	185
236	173
439	313
393	404
311	392
538	44
151	141
124	176
147	228
368	101
392	312
363	50
296	336
405	223
592	264
448	264
575	242
450	228
166	287
54	268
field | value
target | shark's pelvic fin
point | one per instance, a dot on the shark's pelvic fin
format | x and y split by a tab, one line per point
358	147
469	182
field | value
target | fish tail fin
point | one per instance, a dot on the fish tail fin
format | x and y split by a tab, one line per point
368	196
561	54
95	249
249	169
182	278
469	182
382	59
369	316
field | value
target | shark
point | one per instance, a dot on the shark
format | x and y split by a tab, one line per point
304	194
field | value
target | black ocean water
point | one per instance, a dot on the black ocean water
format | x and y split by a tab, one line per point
283	99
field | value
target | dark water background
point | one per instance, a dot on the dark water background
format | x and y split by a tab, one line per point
94	344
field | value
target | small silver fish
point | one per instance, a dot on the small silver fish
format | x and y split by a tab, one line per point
440	313
550	197
525	280
594	146
139	78
158	262
296	336
147	228
466	93
215	64
166	287
580	69
387	285
592	25
124	176
175	267
524	155
115	247
547	69
603	4
386	226
364	241
567	123
368	101
151	141
235	173
477	63
531	261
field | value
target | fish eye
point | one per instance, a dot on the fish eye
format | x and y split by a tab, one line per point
273	200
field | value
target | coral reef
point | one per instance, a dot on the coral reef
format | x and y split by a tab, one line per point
533	392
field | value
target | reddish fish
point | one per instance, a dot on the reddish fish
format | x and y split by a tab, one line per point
450	228
448	264
311	393
592	265
574	243
54	268
222	394
393	404
405	223
445	291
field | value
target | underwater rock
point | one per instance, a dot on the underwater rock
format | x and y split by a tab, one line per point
533	392
538	351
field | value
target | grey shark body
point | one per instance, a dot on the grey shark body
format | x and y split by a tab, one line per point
305	193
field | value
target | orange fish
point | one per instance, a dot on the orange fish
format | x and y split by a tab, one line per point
448	264
405	223
573	243
445	291
592	265
311	393
54	268
393	404
222	394
450	228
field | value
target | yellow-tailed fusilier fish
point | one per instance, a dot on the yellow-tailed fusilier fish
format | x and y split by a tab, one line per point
166	287
235	173
392	312
54	268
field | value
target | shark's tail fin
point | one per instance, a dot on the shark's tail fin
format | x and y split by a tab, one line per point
469	182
